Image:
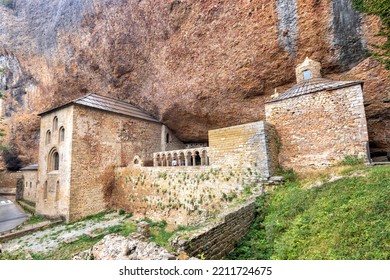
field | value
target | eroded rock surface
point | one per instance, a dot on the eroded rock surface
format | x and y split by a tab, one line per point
195	65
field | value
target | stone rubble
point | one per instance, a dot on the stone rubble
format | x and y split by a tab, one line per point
117	247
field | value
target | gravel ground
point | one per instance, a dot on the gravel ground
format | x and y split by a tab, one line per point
49	239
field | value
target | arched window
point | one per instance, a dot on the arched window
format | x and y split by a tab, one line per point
48	137
53	160
197	158
45	190
62	134
56	161
167	138
55	123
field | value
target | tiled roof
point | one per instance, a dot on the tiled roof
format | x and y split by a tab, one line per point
30	167
108	104
313	85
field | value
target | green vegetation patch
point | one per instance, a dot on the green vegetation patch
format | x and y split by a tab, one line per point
160	235
380	8
352	160
345	219
35	220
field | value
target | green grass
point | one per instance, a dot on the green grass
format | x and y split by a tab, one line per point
345	219
123	229
65	251
161	236
352	160
35	220
30	203
101	216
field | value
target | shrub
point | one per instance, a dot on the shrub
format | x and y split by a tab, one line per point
352	160
380	8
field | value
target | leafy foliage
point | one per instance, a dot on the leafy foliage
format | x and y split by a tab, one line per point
380	8
352	160
345	219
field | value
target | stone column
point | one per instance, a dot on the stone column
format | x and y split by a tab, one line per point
155	161
205	158
193	159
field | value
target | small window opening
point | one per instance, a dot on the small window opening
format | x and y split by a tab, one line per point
48	137
62	134
306	74
55	124
167	138
53	160
56	161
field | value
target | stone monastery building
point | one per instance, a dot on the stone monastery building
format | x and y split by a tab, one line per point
97	153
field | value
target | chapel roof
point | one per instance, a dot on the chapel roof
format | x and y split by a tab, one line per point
30	167
107	104
313	85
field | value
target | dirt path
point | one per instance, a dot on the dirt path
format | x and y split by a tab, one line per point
49	239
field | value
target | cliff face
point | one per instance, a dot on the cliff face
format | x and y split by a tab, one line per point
195	65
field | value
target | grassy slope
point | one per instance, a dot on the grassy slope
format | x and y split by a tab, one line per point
345	219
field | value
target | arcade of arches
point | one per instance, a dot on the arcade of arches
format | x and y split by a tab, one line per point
186	157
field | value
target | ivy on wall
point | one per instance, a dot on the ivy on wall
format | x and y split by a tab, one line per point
380	8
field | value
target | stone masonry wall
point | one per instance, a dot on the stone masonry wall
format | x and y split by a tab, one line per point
319	129
173	143
8	180
102	141
182	195
8	183
214	242
244	146
30	180
53	189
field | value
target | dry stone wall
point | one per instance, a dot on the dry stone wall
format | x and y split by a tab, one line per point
320	129
215	241
182	195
